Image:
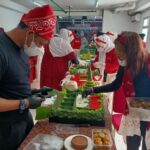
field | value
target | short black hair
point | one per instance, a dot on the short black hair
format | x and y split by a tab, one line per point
22	25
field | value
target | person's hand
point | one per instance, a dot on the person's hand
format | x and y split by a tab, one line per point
45	90
35	101
87	92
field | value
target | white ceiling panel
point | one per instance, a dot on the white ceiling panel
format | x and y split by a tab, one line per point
103	3
83	7
74	4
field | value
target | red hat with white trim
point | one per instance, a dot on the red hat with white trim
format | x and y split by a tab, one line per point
104	42
112	35
41	20
100	41
66	34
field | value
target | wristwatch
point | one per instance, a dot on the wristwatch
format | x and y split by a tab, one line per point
22	105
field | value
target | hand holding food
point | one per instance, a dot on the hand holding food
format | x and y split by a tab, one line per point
87	92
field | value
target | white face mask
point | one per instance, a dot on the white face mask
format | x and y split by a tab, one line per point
32	49
122	63
100	49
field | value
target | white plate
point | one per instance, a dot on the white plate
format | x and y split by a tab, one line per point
67	142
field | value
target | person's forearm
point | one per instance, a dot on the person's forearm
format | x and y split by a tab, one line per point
112	86
106	88
9	105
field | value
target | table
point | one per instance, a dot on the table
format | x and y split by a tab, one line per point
47	127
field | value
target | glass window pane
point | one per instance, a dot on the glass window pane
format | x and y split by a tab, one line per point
146	22
145	31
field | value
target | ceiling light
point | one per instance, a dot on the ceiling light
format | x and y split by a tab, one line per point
37	3
143	7
97	4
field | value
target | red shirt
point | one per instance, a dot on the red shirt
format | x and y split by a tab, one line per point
53	69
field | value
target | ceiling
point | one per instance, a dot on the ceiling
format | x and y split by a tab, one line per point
74	4
83	7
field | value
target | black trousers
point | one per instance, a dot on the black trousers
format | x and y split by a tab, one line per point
13	133
133	142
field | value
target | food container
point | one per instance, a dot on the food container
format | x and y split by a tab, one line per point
45	142
101	139
139	108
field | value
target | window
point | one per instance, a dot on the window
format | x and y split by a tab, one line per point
145	28
146	22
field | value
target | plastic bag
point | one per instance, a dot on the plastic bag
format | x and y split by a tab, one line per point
45	142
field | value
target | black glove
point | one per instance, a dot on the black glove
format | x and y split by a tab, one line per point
43	91
35	101
87	92
75	61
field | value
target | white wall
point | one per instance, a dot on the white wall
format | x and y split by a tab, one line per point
118	22
9	18
10	14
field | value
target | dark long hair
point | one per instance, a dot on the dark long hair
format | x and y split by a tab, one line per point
131	45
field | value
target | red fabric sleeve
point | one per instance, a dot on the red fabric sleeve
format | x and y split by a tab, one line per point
71	56
112	64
